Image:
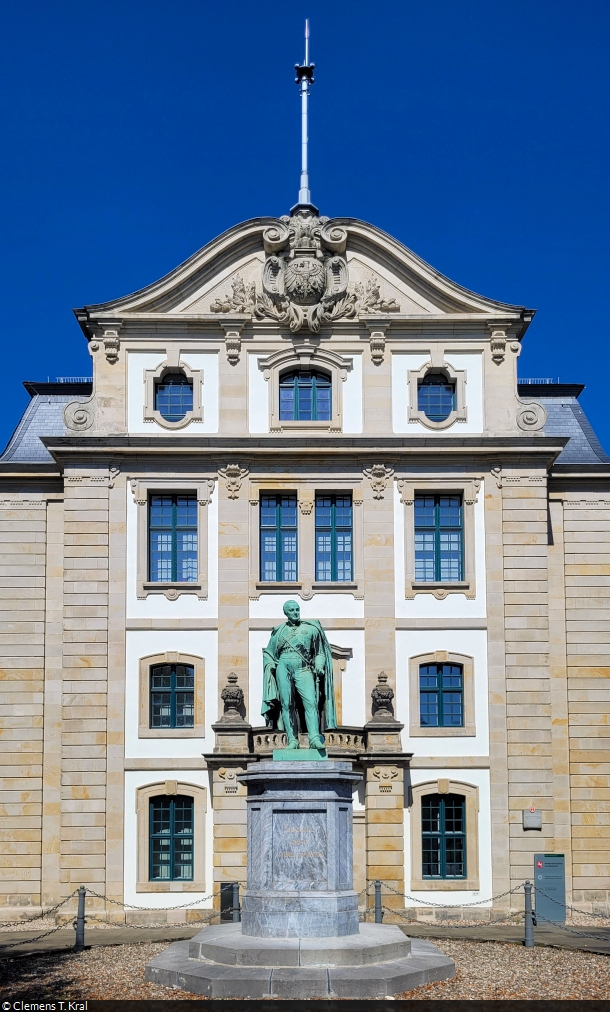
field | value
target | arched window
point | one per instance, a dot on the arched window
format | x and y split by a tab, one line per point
441	695
305	396
171	838
174	396
436	396
172	695
443	829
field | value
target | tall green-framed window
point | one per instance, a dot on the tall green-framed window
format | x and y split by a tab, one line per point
334	538
441	695
443	820
172	531
439	538
171	839
278	533
305	396
172	695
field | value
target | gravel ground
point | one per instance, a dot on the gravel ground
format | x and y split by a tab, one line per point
485	970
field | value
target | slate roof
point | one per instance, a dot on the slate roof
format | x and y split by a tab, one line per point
567	418
44	416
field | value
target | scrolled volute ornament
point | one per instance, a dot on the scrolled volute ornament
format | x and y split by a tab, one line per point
531	417
79	415
275	237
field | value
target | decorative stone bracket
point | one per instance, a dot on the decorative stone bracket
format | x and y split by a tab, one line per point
379	476
377	329
233	329
233	475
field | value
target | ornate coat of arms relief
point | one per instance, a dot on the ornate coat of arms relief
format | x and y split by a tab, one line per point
305	275
305	278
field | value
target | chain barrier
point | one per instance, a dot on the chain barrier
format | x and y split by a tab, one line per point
482	924
568	906
571	931
38	917
132	906
429	903
28	941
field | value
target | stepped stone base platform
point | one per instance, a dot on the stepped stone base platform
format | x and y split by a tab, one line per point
220	962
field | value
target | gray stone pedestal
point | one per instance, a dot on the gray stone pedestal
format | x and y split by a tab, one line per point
300	851
299	936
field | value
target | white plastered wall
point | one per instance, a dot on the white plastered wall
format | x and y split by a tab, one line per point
141	643
186	605
160	901
405	362
140	361
472	643
426	605
454	897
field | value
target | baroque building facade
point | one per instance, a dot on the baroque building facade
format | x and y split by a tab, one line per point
303	410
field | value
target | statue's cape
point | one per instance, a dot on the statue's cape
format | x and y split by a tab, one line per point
271	696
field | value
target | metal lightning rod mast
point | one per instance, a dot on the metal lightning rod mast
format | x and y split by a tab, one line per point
304	79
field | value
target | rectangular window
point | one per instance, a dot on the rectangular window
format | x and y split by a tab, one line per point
441	695
278	529
443	820
172	528
172	695
171	839
334	537
439	539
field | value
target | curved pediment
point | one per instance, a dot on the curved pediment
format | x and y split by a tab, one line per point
304	272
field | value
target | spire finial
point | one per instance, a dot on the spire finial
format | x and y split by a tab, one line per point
304	79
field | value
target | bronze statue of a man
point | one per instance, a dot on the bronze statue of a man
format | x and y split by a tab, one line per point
298	679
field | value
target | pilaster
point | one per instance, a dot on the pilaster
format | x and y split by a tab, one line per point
53	668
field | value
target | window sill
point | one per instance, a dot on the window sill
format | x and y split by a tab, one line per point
468	731
440	589
171	590
170	887
198	731
280	585
291	426
445	884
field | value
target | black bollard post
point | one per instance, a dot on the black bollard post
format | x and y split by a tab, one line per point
236	910
79	923
528	941
378	910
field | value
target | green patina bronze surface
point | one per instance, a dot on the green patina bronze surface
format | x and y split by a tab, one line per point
298	676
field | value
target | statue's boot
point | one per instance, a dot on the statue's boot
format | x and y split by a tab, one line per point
316	742
293	743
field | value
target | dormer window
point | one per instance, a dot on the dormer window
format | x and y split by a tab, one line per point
305	396
436	396
174	396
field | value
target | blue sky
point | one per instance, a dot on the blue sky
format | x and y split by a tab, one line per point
136	130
